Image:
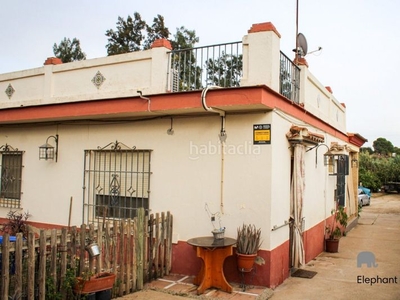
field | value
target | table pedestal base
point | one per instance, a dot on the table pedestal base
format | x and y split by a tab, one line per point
212	269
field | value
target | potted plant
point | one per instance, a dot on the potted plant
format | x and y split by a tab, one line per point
336	230
248	243
16	222
89	283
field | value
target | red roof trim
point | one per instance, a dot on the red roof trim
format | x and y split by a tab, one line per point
356	139
231	99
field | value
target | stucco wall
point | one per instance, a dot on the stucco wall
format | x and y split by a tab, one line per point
186	170
319	101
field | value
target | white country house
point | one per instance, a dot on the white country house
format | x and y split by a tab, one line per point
171	131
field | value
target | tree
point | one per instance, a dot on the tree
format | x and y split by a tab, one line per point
69	51
224	71
368	171
184	39
383	146
134	34
184	60
397	151
376	170
156	31
367	149
129	35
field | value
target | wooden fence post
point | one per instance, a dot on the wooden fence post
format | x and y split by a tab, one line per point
134	257
5	267
63	257
162	245
107	244
121	256
53	262
74	240
140	247
99	261
150	228
157	245
42	265
135	250
18	266
82	239
168	252
90	240
128	250
31	265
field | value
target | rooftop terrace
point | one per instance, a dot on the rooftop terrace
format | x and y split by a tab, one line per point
254	61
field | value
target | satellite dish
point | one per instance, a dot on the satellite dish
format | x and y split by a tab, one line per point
302	45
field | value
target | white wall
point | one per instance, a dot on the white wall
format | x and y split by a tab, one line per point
320	102
186	170
280	180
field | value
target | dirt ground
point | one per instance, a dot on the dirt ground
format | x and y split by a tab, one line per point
386	205
383	208
150	295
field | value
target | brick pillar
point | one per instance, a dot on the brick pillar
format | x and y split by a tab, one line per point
52	61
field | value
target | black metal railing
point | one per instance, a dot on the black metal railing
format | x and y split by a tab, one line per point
289	79
196	68
222	65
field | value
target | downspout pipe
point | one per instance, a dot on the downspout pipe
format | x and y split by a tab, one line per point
145	98
203	101
222	138
213	109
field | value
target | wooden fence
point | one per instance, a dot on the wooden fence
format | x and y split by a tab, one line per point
45	265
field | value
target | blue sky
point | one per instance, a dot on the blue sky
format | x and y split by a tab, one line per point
360	44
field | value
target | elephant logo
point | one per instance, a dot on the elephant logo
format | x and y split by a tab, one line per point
366	257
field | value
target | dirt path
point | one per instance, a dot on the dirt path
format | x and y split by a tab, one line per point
384	203
377	231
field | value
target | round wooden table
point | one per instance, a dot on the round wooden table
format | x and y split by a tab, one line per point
213	253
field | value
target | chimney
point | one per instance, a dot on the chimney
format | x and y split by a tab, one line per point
53	61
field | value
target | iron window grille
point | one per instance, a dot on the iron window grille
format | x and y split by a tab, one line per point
11	176
116	182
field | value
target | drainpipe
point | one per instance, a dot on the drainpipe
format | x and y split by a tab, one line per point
222	138
145	98
222	135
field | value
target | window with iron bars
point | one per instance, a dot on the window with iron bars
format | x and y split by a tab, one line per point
117	183
11	173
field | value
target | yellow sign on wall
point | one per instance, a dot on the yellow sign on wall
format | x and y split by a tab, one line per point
261	134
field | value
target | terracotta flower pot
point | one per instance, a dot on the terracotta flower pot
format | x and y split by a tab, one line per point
332	245
100	282
245	262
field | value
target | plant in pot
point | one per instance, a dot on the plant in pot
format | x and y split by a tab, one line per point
248	243
92	283
336	230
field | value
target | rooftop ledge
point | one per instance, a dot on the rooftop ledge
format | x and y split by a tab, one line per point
170	81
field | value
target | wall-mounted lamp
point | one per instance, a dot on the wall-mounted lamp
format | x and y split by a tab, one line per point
338	164
328	158
337	160
326	155
47	151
